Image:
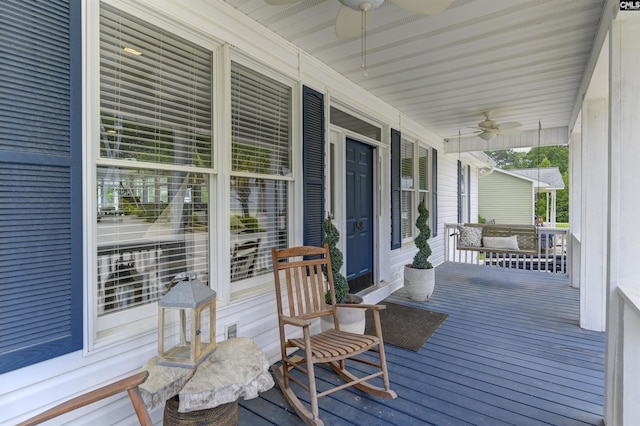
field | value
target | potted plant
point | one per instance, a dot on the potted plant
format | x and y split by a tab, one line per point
419	276
352	320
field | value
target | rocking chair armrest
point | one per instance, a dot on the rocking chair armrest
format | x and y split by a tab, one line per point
299	322
361	306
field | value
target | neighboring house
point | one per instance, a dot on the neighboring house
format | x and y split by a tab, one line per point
194	145
505	197
547	181
508	196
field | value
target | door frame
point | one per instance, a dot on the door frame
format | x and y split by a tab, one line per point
335	189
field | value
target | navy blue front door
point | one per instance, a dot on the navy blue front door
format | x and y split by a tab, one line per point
359	227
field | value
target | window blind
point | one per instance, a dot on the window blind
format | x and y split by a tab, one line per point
407	164
407	214
408	185
260	158
152	226
155	93
261	123
155	108
423	168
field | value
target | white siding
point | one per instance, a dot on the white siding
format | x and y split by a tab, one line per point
447	213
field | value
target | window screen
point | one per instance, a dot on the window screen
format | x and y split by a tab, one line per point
155	109
408	185
155	94
261	166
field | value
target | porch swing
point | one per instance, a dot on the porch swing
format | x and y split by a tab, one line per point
499	239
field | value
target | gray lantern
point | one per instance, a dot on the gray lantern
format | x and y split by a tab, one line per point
191	306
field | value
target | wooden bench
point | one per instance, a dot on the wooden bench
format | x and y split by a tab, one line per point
527	237
130	384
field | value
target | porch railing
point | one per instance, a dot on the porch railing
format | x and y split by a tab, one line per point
552	253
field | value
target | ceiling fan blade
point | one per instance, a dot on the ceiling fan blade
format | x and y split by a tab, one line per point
511	132
423	7
509	125
349	22
280	2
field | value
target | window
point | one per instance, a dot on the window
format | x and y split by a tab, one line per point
408	186
464	205
463	192
423	175
152	174
260	171
415	183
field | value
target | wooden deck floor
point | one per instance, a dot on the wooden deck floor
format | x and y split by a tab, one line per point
510	352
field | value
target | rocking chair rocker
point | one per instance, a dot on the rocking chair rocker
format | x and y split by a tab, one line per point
305	300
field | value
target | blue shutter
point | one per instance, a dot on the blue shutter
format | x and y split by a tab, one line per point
459	191
396	191
313	165
40	181
434	192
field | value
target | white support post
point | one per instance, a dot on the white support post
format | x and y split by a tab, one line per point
594	214
622	379
575	200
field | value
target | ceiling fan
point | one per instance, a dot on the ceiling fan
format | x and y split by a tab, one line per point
488	129
355	15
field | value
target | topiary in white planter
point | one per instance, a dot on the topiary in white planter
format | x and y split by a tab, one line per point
352	320
419	282
419	276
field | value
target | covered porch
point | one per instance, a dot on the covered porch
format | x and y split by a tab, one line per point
510	352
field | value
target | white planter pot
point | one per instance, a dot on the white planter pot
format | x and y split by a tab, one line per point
351	320
419	282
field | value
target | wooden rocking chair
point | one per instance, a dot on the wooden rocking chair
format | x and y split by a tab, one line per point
305	300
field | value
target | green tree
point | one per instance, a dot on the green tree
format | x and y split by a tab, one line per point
562	200
558	156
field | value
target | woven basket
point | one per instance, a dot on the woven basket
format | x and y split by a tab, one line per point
223	415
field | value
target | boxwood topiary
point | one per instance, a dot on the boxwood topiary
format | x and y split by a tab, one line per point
331	238
420	260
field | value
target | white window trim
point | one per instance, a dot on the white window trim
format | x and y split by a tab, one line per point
125	329
464	193
261	284
412	190
415	190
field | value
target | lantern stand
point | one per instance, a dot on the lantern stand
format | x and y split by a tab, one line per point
191	299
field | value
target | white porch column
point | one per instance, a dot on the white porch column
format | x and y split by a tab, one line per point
548	212
624	206
594	214
554	205
575	201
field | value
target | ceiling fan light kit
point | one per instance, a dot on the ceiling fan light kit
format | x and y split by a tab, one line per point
488	129
360	5
487	136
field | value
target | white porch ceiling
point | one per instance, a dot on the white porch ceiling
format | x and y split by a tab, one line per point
522	59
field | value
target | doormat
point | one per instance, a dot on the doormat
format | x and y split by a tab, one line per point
405	326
